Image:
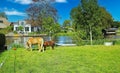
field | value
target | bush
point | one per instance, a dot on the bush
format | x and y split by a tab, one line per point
14	45
2	40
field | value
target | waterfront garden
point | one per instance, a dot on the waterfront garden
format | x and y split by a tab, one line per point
90	28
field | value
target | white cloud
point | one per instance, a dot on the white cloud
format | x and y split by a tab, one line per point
30	1
61	1
23	1
14	12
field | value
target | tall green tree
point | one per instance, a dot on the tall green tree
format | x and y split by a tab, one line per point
50	26
67	23
116	24
89	18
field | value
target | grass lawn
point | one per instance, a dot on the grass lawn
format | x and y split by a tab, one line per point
78	59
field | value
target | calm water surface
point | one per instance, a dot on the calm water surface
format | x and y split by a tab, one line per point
22	40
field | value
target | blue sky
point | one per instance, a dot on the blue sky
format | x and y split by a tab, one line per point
15	9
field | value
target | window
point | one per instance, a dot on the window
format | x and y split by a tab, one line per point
26	28
22	23
16	28
1	21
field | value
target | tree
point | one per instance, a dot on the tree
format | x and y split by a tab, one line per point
41	9
50	26
66	25
88	18
20	28
116	24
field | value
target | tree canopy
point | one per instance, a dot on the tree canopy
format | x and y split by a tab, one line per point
50	26
67	23
88	17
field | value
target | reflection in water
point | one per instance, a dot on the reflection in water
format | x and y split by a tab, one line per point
22	40
64	40
16	40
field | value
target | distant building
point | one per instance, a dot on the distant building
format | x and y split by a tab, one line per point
110	32
34	26
26	27
4	23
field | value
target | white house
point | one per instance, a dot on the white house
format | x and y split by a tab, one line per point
26	27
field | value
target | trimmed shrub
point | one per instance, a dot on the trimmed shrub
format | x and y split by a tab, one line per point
2	42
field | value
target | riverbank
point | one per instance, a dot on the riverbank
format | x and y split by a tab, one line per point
24	35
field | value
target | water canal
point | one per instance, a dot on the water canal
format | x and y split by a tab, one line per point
22	40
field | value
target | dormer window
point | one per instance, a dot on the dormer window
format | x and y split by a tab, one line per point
22	23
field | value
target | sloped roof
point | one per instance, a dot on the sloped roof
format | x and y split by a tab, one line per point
111	29
5	21
2	25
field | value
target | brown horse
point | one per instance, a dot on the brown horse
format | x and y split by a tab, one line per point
31	41
49	43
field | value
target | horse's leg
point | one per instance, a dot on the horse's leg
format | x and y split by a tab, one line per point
30	46
39	47
42	43
44	47
52	47
27	46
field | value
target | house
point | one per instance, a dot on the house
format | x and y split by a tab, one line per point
25	27
110	32
34	25
35	28
4	23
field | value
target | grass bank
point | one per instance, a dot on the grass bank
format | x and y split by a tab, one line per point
65	34
79	59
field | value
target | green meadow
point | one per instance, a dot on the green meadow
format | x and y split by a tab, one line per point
77	59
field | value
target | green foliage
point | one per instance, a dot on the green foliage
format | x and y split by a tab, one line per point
50	26
84	59
20	28
67	23
15	32
78	37
6	30
79	41
65	34
14	45
3	31
116	24
90	17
